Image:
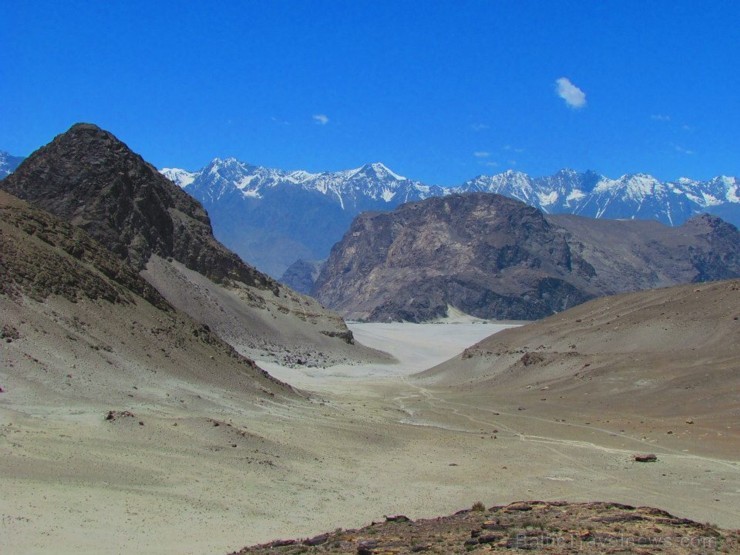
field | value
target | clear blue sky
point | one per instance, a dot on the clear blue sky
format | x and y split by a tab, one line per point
439	91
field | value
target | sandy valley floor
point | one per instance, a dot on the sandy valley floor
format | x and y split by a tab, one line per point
215	474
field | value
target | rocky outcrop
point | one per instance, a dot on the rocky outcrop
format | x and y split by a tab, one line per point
559	527
494	257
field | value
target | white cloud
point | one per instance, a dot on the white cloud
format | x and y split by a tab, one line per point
683	150
481	154
573	96
321	119
660	117
480	126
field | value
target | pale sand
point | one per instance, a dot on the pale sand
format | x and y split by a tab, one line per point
371	442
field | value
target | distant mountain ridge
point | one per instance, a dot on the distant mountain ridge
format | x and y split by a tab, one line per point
349	188
274	217
633	196
8	163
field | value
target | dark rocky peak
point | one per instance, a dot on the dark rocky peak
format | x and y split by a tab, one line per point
90	178
706	223
480	253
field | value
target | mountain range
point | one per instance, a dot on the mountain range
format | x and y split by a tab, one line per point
491	256
274	217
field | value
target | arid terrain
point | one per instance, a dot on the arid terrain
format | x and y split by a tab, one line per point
204	468
158	395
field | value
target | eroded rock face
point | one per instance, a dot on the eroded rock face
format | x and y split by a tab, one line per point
495	257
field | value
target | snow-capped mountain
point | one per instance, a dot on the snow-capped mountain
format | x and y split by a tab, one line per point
274	217
635	196
181	178
349	188
8	163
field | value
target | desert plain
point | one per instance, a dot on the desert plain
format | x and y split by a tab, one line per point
196	467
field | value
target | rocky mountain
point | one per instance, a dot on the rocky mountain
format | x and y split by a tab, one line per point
80	322
88	177
8	163
273	217
494	257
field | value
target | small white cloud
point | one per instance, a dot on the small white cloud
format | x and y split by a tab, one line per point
509	148
481	154
491	164
660	117
479	127
683	150
573	96
321	119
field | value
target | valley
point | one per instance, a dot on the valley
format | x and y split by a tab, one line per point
205	468
158	394
370	278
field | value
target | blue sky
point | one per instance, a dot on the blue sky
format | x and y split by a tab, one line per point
438	91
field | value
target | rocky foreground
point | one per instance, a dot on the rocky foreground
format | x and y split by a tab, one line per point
536	526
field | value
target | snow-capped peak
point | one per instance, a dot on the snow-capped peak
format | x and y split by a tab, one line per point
181	178
374	186
381	170
8	163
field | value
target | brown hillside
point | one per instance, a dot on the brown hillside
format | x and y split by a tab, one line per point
672	354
